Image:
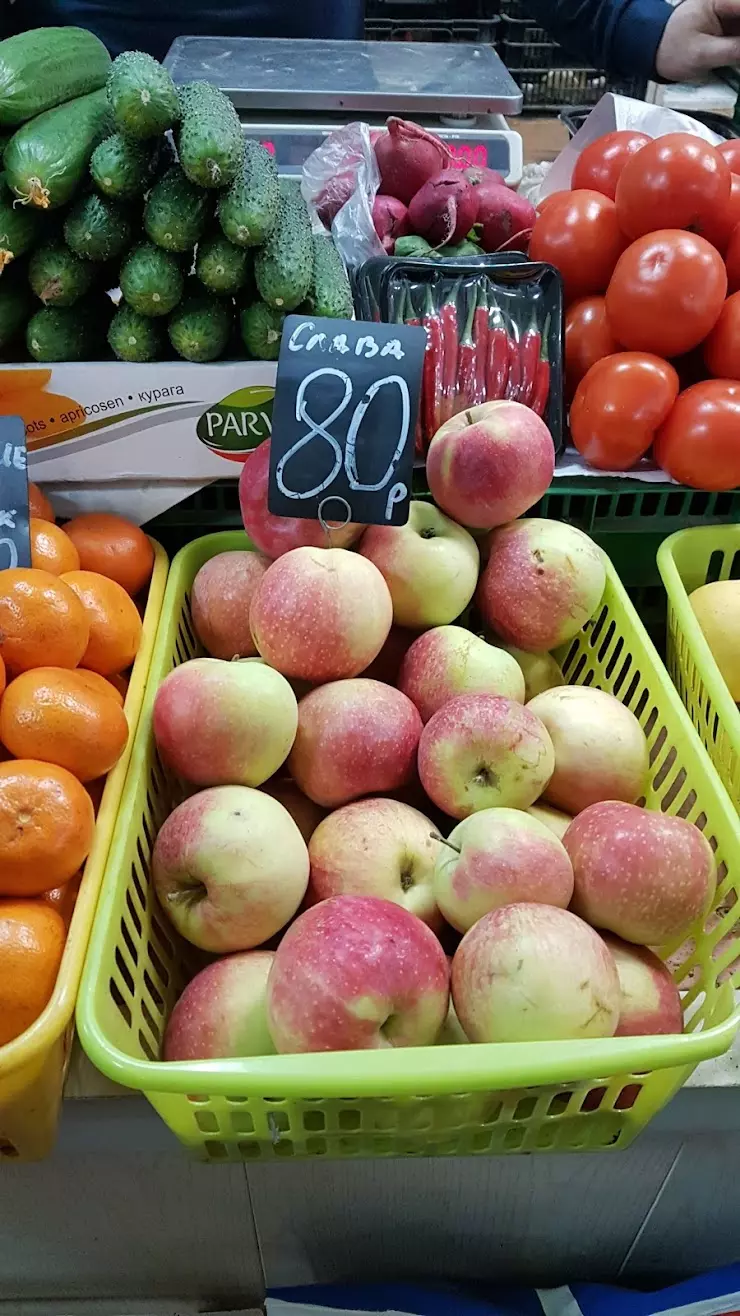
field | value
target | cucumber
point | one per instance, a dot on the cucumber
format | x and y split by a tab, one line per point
16	303
59	277
262	329
19	228
96	228
247	212
121	168
151	280
46	160
209	141
48	66
283	268
176	211
330	292
135	337
142	96
221	266
199	327
68	333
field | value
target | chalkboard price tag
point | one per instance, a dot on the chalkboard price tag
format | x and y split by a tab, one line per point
344	420
15	541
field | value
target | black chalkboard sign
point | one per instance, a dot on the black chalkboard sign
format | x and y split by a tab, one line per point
15	542
344	420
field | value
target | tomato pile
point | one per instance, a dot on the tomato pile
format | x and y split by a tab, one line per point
648	245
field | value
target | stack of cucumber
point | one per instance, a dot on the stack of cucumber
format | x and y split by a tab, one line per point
209	249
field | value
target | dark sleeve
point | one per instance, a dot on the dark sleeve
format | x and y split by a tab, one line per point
619	36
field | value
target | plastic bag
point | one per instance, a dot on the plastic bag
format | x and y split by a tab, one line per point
340	180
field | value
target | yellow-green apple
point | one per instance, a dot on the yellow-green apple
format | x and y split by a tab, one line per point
230	868
542	582
555	819
357	973
220	601
534	973
451	1033
645	876
651	1002
449	661
320	614
490	464
430	566
600	748
483	752
223	1011
224	724
540	670
499	857
303	811
354	738
376	847
274	535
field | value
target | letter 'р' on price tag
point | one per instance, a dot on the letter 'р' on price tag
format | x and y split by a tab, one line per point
344	420
15	541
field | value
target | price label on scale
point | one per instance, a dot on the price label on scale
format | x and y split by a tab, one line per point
344	420
15	542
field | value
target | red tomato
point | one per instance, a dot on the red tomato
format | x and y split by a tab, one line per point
722	348
677	181
732	260
618	406
601	163
699	443
719	229
580	236
731	153
666	293
547	201
588	338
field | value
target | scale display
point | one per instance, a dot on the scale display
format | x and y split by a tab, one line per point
292	149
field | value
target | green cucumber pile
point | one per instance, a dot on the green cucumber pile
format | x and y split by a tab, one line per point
206	249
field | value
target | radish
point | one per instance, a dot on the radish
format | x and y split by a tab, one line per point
478	175
444	209
506	218
390	220
407	156
334	195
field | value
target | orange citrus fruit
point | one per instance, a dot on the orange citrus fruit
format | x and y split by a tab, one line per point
115	625
42	621
3	678
119	683
95	791
38	503
47	823
113	547
54	715
100	685
51	549
64	898
32	937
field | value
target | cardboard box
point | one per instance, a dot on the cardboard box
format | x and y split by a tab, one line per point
136	439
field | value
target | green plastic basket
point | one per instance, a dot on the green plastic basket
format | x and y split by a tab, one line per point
582	1095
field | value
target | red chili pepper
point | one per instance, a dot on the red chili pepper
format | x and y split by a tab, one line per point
431	388
480	334
529	355
497	362
514	376
412	319
541	387
450	331
466	364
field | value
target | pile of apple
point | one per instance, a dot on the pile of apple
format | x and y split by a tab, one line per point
374	779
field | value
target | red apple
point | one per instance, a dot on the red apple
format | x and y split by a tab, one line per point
534	973
499	857
650	1000
354	738
356	973
542	582
540	671
218	723
387	665
377	847
230	868
305	814
430	566
645	876
600	748
220	600
272	534
320	614
223	1011
449	661
480	752
490	464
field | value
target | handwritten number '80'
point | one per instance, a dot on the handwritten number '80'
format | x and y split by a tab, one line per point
320	430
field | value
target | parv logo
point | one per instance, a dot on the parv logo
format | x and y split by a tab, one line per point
238	423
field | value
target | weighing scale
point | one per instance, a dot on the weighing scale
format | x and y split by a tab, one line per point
291	94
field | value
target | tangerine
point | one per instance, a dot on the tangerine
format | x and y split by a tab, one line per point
57	716
3	678
64	898
47	824
32	937
42	621
119	683
100	685
51	549
114	547
38	503
115	625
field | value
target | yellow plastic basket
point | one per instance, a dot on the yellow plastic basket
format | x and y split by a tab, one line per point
427	1101
687	560
32	1068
